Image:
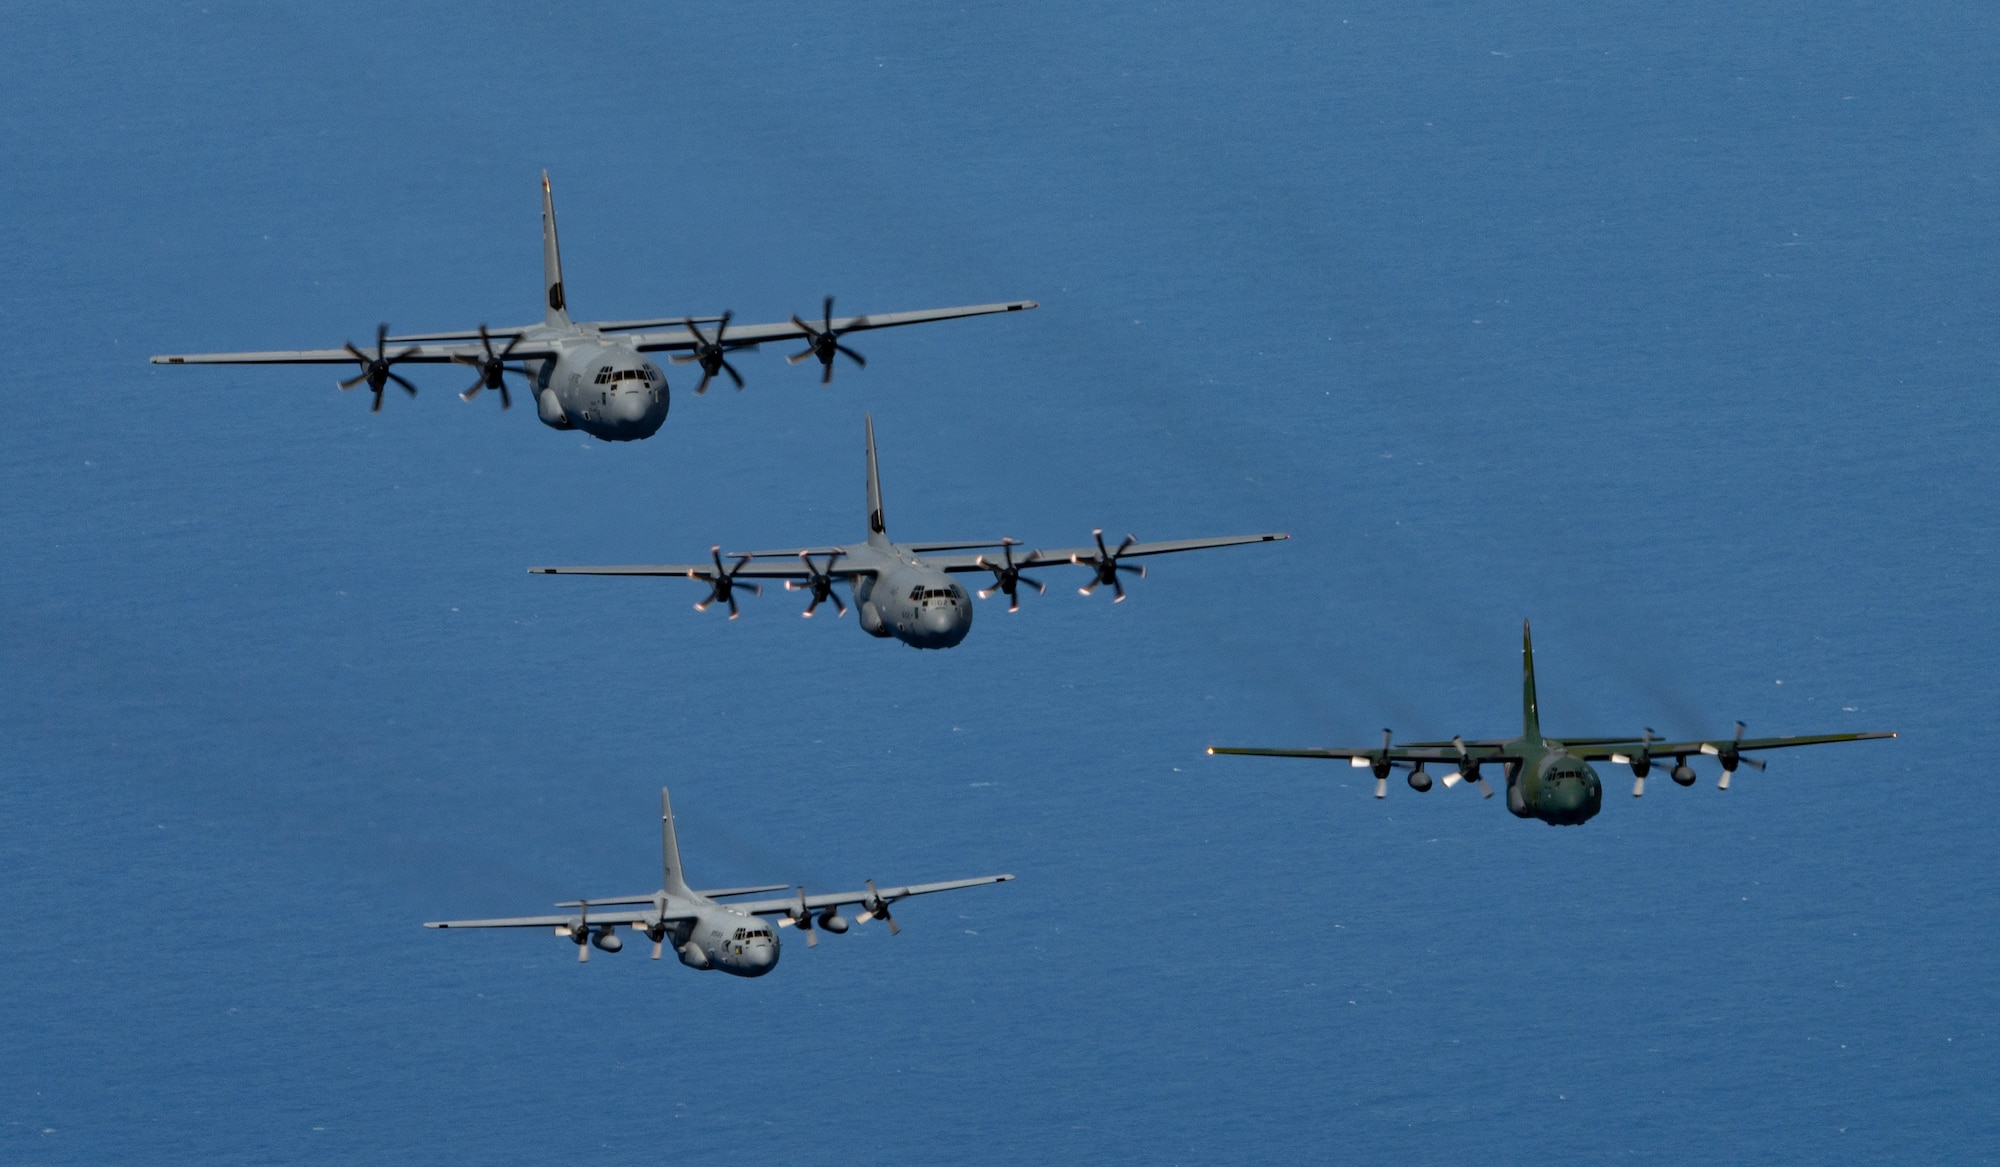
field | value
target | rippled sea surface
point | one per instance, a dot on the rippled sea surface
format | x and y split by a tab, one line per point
1672	328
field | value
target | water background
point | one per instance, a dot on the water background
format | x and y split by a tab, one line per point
1670	327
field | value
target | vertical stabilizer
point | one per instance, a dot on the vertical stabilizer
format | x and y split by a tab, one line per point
878	535
1531	714
672	880
557	308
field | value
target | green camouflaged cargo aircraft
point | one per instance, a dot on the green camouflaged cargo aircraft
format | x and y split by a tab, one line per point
1551	779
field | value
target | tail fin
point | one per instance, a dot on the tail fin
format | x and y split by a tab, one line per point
878	535
1531	715
552	284
672	880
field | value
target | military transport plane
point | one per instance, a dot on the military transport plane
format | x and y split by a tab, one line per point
592	377
1551	779
905	590
707	934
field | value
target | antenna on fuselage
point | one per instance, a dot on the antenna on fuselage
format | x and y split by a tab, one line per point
878	534
1531	717
557	307
672	880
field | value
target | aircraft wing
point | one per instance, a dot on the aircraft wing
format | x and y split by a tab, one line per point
1087	555
864	897
626	916
781	566
747	335
419	354
1477	751
1597	749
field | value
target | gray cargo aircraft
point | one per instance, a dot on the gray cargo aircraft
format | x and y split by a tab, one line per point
591	377
735	937
1548	778
905	590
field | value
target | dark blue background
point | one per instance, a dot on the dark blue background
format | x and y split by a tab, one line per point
1671	327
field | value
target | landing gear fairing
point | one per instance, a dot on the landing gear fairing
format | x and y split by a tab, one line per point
591	377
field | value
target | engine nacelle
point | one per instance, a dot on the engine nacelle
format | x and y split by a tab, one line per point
871	619
692	956
1419	780
607	940
1684	774
833	922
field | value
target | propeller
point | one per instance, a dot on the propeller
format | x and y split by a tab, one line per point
819	582
1732	757
801	918
722	584
877	908
1642	762
708	354
1105	564
1378	762
376	370
579	932
493	368
1007	577
657	930
823	342
1468	769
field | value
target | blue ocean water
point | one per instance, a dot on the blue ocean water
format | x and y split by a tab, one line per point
1669	327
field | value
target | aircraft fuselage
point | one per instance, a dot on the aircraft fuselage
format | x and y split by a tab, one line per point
1550	785
720	940
913	602
601	386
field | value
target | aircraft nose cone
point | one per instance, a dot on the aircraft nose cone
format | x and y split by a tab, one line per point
760	960
627	407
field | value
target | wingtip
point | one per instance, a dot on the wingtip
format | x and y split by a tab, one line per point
1210	751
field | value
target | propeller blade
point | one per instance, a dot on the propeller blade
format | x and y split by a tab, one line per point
377	407
826	373
357	379
1638	787
407	387
656	947
733	375
851	355
703	387
1753	763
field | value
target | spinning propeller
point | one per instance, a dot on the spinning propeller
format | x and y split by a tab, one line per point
376	370
875	907
1641	762
722	584
1007	577
1105	564
823	342
1468	769
493	369
1731	757
708	354
801	918
819	582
